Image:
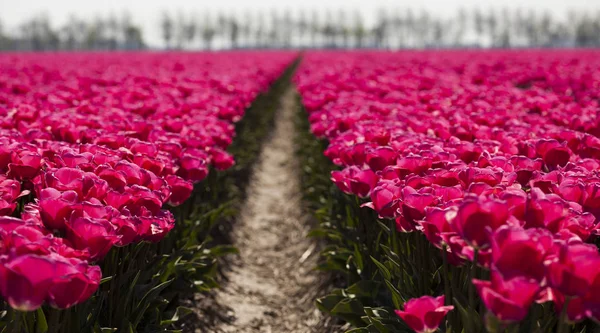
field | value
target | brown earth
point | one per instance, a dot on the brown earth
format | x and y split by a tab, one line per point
272	285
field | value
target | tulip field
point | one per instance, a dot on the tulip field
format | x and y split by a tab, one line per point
456	191
481	172
98	152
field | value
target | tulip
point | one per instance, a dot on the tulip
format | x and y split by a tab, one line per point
424	314
380	157
25	280
553	153
508	299
385	199
521	253
475	216
95	235
354	180
26	163
55	207
572	269
65	179
180	190
75	282
221	159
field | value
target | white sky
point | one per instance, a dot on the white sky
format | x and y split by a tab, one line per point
147	13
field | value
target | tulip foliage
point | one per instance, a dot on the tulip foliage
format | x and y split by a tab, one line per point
101	157
470	187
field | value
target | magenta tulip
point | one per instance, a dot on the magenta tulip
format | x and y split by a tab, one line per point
424	314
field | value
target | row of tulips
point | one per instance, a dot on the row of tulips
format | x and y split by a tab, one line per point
96	151
481	169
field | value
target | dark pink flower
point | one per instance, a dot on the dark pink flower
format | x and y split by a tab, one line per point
180	189
476	217
385	199
25	280
518	252
572	269
380	157
56	207
221	159
553	153
508	299
424	314
96	235
25	163
75	282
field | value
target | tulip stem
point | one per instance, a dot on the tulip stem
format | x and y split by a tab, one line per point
54	320
18	319
563	326
447	289
471	277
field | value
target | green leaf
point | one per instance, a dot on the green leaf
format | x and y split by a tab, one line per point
106	279
350	310
364	288
179	313
327	303
382	269
149	297
470	317
41	323
396	296
222	250
358	330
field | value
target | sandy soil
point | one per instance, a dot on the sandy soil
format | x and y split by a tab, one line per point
272	286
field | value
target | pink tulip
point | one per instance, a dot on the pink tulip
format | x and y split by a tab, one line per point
95	235
508	299
25	280
75	282
180	190
55	207
572	269
475	216
424	314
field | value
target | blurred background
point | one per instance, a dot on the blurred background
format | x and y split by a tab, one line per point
40	25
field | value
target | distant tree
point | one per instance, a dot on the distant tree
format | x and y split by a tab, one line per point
506	31
492	26
167	26
380	29
314	27
69	34
207	32
190	29
359	29
112	28
344	29
478	24
410	28
461	27
260	30
3	38
132	34
222	27
246	27
274	32
234	31
93	36
531	28
179	30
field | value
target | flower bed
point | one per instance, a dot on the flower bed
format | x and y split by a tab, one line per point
481	172
96	153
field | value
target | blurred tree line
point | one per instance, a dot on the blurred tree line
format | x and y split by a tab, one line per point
109	33
392	28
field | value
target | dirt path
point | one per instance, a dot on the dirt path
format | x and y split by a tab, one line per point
272	285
